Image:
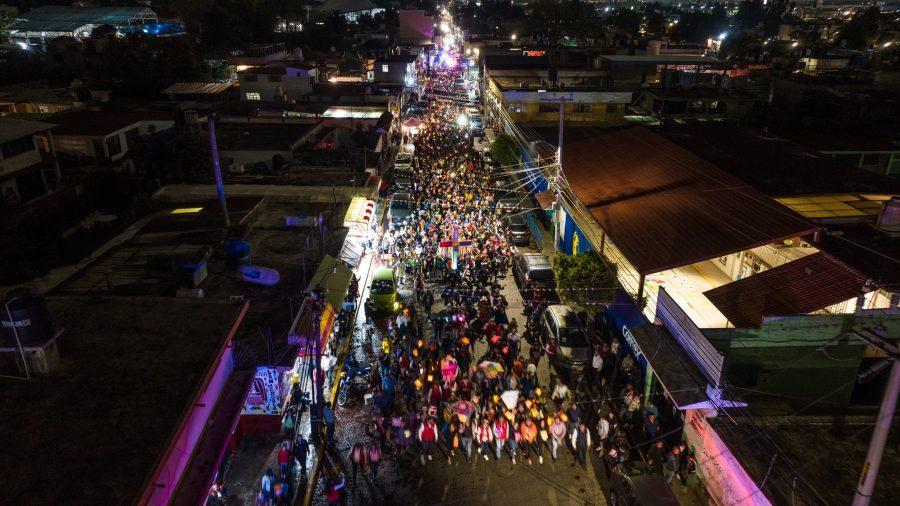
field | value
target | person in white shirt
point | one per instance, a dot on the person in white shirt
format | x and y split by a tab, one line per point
560	393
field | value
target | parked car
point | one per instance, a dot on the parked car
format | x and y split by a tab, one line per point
565	337
519	234
636	484
400	207
510	203
535	267
403	183
383	292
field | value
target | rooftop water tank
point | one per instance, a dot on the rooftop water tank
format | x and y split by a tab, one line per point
30	318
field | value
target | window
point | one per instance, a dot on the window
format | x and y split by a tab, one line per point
515	107
582	108
385	68
548	108
17	146
113	145
274	78
612	108
252	96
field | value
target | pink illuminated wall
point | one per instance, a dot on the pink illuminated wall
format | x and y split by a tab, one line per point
181	448
724	478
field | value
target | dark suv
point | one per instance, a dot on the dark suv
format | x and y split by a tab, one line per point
536	267
637	484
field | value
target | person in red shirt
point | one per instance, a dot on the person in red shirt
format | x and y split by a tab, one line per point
427	436
284	459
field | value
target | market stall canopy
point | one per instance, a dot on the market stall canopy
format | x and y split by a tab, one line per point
333	276
679	376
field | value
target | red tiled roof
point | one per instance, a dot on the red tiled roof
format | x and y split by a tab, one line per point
665	207
95	123
802	286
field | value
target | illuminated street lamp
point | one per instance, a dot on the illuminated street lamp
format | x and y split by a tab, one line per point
462	121
513	37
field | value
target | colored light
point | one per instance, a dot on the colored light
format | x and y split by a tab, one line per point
187	210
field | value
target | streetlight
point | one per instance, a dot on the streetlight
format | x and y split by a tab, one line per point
513	37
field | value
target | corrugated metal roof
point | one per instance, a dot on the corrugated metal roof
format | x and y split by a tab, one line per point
799	287
65	18
665	207
196	88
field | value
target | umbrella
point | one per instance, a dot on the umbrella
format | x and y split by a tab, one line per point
449	369
463	410
492	369
510	398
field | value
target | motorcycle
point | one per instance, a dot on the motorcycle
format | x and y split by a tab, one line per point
354	376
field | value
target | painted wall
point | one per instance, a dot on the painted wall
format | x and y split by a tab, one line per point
781	357
169	470
724	478
177	458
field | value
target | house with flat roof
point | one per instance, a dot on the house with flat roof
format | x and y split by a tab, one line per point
286	81
28	168
141	381
105	136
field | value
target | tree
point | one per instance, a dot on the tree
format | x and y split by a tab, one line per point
861	31
505	150
586	279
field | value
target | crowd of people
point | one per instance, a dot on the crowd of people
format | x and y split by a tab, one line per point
436	392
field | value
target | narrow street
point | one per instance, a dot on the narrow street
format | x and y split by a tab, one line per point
453	245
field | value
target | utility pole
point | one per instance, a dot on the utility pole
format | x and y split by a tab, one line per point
12	325
866	484
557	179
217	169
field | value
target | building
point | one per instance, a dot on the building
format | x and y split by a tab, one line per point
28	167
876	150
35	28
104	136
278	82
113	394
739	287
349	9
681	104
261	147
396	69
635	71
527	90
40	98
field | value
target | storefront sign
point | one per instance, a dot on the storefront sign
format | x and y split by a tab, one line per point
533	53
264	396
631	342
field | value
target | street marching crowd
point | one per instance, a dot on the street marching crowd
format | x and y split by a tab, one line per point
432	395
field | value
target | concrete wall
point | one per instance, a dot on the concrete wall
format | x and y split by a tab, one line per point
294	87
782	356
